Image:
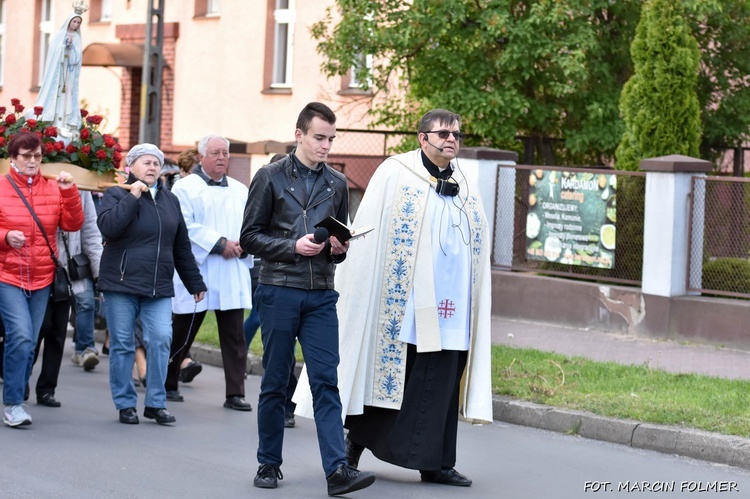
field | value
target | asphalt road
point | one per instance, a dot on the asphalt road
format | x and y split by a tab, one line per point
82	451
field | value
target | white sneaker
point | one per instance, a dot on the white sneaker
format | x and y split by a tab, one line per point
14	415
77	358
89	359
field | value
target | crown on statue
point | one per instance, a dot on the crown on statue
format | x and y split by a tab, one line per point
79	7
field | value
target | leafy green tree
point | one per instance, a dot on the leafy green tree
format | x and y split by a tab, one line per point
537	68
659	103
540	68
722	29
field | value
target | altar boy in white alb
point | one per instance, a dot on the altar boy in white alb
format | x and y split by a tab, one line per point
213	204
414	310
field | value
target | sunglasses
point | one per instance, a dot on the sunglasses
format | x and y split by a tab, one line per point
27	157
443	134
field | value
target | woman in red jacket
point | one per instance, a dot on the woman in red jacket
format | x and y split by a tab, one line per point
26	266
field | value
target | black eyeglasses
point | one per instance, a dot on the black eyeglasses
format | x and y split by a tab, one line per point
27	157
443	134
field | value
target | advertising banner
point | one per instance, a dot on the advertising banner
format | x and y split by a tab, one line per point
572	218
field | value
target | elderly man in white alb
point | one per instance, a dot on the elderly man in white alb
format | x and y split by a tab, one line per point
213	204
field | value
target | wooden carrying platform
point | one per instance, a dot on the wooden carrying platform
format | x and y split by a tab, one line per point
85	180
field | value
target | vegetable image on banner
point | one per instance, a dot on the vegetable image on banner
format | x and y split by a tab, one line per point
572	218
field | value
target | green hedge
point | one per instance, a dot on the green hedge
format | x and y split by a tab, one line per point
727	274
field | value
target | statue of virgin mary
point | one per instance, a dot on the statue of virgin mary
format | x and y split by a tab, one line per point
58	94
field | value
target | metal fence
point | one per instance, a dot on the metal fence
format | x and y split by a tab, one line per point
628	252
719	250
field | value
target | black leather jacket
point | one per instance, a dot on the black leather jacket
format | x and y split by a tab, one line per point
145	241
278	213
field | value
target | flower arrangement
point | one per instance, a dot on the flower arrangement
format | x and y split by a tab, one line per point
91	150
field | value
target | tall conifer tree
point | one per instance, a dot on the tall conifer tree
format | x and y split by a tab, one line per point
659	103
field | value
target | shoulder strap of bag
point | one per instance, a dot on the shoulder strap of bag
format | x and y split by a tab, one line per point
65	243
38	222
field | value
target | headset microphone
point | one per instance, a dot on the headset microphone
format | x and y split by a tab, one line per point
433	145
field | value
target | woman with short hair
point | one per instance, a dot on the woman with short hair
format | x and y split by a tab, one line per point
27	266
145	241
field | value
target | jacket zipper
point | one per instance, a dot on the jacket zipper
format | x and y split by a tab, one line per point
158	247
309	260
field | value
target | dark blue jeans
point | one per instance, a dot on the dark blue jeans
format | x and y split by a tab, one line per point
288	314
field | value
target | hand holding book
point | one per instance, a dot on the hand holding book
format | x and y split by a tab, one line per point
341	231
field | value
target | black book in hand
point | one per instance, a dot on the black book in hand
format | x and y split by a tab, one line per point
341	231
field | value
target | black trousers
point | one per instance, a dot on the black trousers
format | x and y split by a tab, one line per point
422	434
53	333
231	340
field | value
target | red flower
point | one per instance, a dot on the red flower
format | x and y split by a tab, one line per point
19	108
84	113
31	124
109	141
101	154
49	147
94	119
71	149
15	102
116	156
38	110
50	131
2	109
86	149
38	134
117	147
2	141
85	134
59	145
2	129
10	119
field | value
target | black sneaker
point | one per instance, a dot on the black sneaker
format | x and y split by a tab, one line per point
347	479
268	476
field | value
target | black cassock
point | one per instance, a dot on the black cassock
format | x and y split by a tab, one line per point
422	434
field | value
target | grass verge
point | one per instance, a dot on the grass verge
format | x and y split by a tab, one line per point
636	392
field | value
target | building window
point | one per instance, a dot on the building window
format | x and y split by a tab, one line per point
206	8
106	12
283	35
100	11
2	42
354	81
46	29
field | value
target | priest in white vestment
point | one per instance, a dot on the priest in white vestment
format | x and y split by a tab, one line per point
414	311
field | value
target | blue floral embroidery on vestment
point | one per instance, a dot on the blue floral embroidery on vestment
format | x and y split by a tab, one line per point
400	257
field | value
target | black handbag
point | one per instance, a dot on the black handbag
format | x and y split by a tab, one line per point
61	288
79	266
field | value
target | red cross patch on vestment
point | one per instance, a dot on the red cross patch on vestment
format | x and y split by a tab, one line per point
446	309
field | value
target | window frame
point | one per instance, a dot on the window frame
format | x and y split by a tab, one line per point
3	13
283	16
46	29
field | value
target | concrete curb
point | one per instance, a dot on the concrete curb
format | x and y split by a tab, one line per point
697	444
